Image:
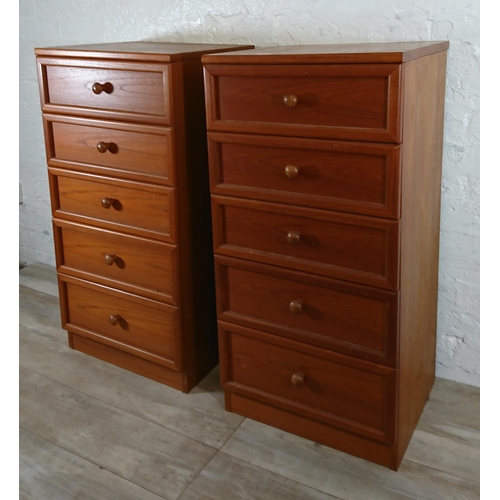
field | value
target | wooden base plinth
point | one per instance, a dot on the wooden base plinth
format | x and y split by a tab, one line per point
318	432
129	362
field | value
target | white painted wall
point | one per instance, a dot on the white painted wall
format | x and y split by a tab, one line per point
288	22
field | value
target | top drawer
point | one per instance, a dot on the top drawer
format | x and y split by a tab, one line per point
132	92
342	101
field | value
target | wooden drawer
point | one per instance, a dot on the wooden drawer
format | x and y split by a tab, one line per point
143	209
138	91
133	264
98	146
337	101
350	177
146	328
356	320
349	247
322	385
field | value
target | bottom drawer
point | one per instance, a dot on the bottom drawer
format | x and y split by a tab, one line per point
333	388
125	321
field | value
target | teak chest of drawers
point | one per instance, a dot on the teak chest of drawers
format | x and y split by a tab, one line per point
325	174
126	151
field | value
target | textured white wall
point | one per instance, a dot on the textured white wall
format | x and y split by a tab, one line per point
288	22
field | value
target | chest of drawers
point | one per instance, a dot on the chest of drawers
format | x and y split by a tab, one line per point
126	151
325	175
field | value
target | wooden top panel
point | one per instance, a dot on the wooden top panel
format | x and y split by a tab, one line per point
339	53
139	51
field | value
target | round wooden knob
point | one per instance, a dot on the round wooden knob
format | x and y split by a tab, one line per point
97	88
298	379
102	147
296	306
291	171
107	202
110	259
293	237
114	319
290	100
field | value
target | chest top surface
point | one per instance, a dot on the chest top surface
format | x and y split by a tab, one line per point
396	52
139	51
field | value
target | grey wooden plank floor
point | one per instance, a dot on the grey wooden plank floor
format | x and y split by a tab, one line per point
90	430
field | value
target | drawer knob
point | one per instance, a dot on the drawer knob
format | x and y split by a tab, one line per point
110	259
102	147
107	87
291	171
107	202
293	237
298	379
290	100
296	306
114	319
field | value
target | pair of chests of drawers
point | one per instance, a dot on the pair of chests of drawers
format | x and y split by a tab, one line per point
305	183
110	149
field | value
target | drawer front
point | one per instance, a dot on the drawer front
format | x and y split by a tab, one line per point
123	321
351	177
356	320
130	263
110	146
343	101
133	207
349	247
138	92
309	381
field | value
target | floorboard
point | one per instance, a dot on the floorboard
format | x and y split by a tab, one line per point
226	477
144	453
339	474
199	415
52	473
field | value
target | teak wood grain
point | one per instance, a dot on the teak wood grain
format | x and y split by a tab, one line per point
335	389
354	443
358	102
352	177
136	208
348	318
342	53
351	247
140	91
146	331
146	151
139	265
84	341
125	140
322	241
420	221
138	51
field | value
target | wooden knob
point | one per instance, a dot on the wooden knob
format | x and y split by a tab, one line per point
97	88
102	147
291	171
290	100
293	237
296	306
107	202
114	319
110	259
298	379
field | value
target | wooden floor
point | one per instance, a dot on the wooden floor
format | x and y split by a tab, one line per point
90	430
